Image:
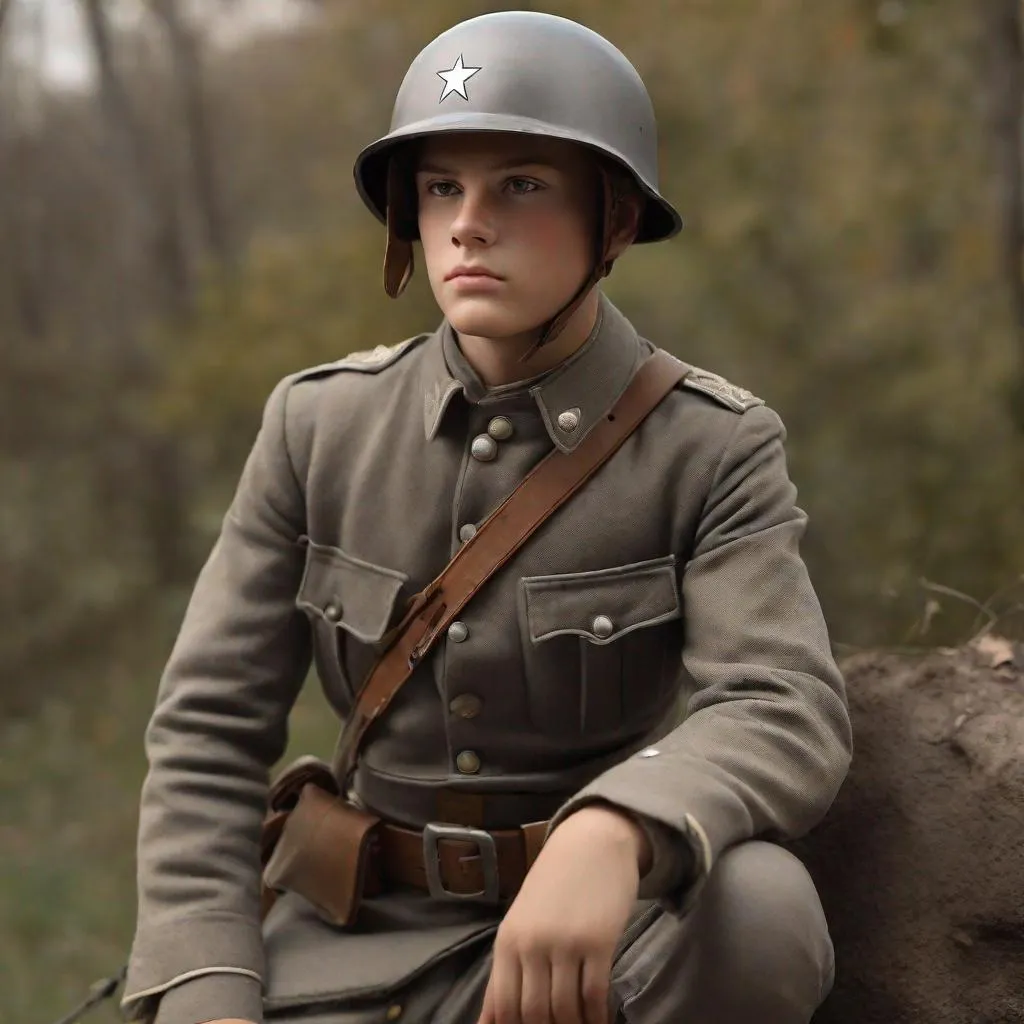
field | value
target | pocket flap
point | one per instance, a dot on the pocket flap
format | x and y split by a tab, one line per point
602	605
348	592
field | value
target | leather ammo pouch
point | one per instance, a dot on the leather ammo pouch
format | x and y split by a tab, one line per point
324	854
284	795
316	843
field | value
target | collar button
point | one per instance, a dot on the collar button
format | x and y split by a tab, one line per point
569	420
500	428
484	448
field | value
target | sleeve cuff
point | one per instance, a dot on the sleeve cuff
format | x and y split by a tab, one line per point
671	861
211	997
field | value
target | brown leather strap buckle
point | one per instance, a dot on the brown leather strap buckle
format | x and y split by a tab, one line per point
432	832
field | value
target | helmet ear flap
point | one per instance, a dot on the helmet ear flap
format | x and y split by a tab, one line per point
401	228
620	190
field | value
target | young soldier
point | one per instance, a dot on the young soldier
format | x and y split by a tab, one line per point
522	155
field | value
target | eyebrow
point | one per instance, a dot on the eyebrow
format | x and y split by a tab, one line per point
502	165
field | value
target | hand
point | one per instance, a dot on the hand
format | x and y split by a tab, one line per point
553	951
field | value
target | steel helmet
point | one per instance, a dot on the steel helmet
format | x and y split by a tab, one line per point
525	73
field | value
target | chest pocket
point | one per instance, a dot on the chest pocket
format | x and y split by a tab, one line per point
350	604
601	649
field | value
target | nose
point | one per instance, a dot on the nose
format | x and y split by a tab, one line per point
474	222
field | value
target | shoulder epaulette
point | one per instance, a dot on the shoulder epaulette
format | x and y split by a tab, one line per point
736	398
369	361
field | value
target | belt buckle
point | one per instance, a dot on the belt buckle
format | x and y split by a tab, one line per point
432	832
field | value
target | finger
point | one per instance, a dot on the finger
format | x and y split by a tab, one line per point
487	1007
566	996
536	990
506	986
595	981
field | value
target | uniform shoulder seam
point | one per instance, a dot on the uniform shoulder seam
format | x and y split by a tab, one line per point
723	391
369	361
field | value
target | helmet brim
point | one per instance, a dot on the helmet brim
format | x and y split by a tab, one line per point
660	219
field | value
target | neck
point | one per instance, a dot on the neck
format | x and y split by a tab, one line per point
498	361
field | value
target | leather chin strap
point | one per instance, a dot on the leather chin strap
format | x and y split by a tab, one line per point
602	268
398	251
398	258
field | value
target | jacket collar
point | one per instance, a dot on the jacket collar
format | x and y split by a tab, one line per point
582	389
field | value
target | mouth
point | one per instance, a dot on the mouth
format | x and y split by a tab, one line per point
470	272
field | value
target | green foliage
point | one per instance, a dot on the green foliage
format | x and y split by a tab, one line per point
837	170
299	301
839	259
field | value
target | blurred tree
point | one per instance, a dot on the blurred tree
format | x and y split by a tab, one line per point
1003	38
150	191
5	10
161	479
185	46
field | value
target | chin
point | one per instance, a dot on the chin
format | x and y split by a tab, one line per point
491	317
483	319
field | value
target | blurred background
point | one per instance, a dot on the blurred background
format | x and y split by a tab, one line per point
179	229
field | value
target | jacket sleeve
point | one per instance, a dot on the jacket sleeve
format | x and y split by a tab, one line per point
219	725
767	741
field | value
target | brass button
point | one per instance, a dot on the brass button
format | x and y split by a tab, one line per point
467	532
332	612
466	705
394	1011
484	448
603	627
500	428
468	762
458	631
569	420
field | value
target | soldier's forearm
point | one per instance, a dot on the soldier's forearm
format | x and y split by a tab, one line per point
623	822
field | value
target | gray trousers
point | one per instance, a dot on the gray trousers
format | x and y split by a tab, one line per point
754	948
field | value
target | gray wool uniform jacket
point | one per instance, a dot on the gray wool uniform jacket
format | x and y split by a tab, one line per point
674	573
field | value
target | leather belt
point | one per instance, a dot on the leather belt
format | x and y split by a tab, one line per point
457	861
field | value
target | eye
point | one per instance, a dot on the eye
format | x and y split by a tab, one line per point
522	186
442	188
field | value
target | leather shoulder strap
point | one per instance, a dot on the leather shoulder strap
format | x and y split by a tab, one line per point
548	486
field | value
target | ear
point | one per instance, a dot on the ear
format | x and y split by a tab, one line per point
625	224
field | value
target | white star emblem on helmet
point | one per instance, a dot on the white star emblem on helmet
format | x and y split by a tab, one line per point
455	79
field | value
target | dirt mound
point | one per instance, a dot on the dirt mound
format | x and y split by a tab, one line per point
920	861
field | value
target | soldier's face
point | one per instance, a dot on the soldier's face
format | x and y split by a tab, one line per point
520	212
